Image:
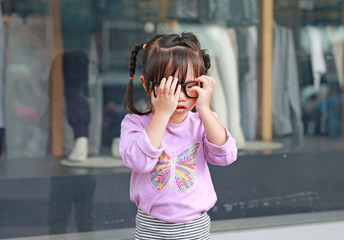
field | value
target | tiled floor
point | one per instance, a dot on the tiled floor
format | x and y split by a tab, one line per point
314	226
317	231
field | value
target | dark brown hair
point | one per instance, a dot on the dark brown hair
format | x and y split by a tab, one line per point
165	55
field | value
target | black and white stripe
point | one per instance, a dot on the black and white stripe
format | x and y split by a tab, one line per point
150	228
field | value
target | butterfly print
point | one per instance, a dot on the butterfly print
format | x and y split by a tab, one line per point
181	170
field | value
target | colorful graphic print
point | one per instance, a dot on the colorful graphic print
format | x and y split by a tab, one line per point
182	172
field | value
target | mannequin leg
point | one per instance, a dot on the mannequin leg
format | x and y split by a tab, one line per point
80	150
78	113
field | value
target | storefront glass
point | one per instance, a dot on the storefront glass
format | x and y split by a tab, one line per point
63	75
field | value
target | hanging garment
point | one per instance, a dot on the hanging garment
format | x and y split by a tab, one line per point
286	106
330	109
214	37
336	35
321	106
247	42
317	56
27	87
233	37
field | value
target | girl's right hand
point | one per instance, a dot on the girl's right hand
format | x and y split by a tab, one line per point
167	96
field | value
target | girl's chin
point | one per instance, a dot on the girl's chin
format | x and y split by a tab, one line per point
178	117
180	110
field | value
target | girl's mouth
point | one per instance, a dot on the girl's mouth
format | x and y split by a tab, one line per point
180	108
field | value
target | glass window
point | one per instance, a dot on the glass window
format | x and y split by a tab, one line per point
64	70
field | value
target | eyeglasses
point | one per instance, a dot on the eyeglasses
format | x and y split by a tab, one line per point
186	87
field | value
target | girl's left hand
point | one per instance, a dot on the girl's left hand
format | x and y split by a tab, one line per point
204	90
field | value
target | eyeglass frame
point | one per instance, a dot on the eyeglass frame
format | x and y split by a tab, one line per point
183	85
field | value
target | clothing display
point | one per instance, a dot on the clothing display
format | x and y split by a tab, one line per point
214	37
27	86
184	190
316	41
286	106
227	31
321	101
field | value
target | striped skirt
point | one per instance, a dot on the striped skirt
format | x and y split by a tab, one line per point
150	228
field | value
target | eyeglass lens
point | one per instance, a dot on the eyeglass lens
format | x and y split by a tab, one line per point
186	87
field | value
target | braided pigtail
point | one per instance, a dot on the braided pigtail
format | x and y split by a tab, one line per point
206	60
129	103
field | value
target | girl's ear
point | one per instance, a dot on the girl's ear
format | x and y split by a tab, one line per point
144	84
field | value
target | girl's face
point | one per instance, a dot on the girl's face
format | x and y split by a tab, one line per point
185	104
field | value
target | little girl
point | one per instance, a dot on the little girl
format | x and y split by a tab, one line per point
168	146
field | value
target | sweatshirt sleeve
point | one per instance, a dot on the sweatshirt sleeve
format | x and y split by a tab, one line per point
221	155
135	147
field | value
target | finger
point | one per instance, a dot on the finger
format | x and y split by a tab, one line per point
178	91
197	89
201	81
173	86
161	86
206	81
168	85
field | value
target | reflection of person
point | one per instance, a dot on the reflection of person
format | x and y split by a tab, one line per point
75	75
69	192
168	146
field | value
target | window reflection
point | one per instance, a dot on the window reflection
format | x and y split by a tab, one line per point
69	197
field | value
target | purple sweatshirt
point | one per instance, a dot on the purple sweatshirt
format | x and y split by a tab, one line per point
172	183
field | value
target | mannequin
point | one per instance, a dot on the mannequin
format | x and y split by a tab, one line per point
75	74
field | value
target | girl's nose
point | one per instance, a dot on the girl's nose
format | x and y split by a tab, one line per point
182	95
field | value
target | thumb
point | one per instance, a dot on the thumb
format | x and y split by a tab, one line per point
197	89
